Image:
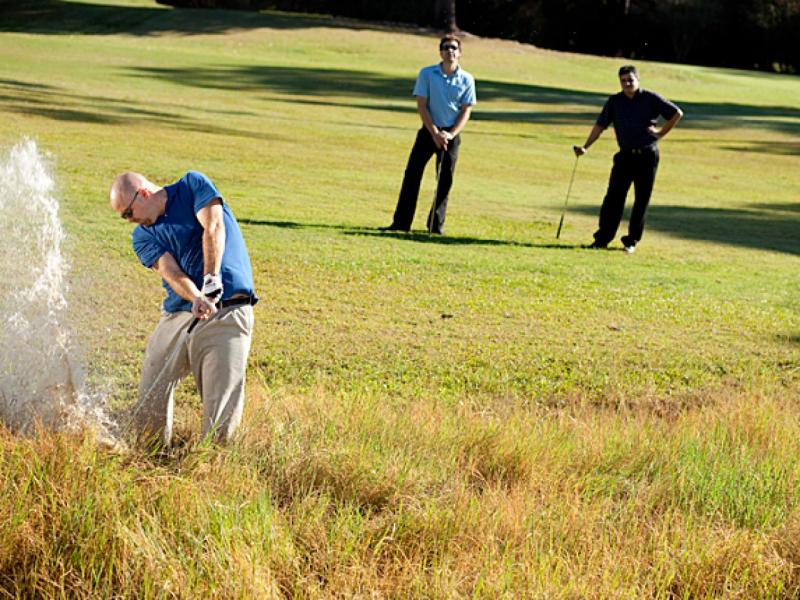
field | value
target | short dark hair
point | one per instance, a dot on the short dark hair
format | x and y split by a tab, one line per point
625	69
450	38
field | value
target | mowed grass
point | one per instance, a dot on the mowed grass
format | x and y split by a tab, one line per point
492	413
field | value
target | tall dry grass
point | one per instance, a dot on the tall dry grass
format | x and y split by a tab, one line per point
325	496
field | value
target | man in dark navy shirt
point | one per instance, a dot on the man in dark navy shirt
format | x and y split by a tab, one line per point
633	112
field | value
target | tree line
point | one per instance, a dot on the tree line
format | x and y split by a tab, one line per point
750	34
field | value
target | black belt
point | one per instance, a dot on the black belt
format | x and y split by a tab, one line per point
638	151
238	301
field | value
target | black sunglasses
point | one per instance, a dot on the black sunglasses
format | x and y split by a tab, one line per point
448	47
128	212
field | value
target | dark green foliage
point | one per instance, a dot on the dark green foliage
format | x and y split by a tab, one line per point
754	34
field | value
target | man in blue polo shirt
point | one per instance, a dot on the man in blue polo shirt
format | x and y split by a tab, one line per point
188	235
445	96
634	112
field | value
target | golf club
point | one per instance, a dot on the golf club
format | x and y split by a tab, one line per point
166	369
435	192
566	200
159	380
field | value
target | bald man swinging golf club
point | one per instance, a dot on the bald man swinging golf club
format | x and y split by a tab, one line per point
187	233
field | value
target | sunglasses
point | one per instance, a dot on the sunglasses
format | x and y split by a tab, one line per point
128	212
448	47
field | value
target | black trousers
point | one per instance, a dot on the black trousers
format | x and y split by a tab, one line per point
421	153
633	166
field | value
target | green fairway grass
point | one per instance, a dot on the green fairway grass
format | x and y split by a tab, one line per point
492	413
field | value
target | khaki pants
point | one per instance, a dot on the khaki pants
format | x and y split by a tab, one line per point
215	352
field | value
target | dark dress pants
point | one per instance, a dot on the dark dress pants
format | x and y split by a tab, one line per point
421	153
638	167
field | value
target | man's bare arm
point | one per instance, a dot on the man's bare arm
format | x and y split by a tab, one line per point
211	218
667	127
181	284
594	134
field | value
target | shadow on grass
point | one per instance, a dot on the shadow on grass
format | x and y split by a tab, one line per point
783	148
792	207
349	83
421	236
60	17
54	103
765	227
727	115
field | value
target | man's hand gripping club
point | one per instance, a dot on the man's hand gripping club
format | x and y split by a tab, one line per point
204	305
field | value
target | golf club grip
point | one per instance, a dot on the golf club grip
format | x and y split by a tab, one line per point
192	326
197	319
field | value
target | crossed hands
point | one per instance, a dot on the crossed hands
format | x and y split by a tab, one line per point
442	138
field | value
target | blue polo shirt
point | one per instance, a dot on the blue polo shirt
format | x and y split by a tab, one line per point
179	232
633	116
446	94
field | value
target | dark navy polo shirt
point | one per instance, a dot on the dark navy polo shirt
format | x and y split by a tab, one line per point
633	116
179	232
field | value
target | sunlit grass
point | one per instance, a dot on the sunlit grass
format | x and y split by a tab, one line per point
493	413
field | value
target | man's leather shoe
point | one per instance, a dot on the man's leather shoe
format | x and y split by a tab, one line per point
392	227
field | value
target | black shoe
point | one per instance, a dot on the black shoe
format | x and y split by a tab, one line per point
393	227
596	246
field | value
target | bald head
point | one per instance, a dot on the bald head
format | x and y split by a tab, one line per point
124	187
137	199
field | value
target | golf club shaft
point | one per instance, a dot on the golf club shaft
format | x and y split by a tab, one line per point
193	325
566	200
159	379
440	158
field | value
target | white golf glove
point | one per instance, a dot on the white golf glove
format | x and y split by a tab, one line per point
212	287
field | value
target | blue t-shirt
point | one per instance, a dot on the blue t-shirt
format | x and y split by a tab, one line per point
179	232
446	94
632	117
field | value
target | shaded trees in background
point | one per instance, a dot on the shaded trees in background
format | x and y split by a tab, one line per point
758	34
753	34
444	15
734	33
